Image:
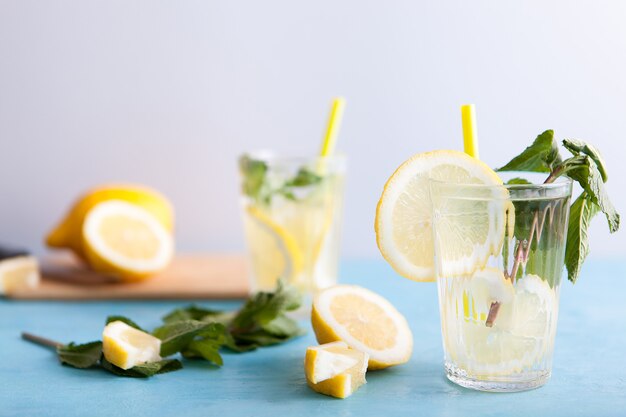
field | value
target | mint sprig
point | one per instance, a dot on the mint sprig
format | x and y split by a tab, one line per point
256	184
586	167
197	332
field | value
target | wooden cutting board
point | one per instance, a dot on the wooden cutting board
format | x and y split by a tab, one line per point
198	276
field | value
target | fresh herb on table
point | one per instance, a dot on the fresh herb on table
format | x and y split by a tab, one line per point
255	183
586	167
197	332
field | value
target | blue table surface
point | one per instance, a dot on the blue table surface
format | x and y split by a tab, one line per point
588	379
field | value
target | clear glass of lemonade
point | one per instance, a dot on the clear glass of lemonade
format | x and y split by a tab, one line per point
292	212
499	301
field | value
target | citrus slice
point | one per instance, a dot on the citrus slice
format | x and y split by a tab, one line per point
365	321
404	217
533	312
334	369
126	240
125	347
18	273
520	335
68	233
274	252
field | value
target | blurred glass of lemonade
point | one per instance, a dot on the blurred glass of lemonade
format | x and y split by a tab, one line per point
292	209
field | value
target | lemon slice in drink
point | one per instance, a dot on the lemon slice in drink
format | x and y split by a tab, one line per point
365	321
125	347
126	240
335	369
533	310
404	217
274	251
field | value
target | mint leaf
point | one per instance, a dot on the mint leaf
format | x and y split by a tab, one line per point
262	320
282	326
264	307
577	246
518	180
126	320
577	147
253	173
589	177
191	312
80	356
176	336
144	370
541	156
304	178
205	348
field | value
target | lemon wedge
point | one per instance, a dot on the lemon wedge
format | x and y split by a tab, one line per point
274	251
125	347
68	233
125	240
365	321
335	369
404	217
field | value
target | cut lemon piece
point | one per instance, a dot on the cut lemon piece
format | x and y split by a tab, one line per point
365	321
274	252
404	217
125	240
18	273
334	369
125	347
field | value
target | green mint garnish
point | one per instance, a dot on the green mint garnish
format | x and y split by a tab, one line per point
255	183
587	168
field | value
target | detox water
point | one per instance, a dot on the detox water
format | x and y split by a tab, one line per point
499	311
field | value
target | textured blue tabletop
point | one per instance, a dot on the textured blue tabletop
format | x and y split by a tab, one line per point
589	375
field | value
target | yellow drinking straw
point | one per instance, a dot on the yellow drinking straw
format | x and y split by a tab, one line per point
332	129
470	136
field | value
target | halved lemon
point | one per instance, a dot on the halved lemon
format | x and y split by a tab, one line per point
273	250
365	321
404	217
335	369
126	240
68	233
125	347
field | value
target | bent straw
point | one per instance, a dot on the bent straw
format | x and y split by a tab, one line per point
470	136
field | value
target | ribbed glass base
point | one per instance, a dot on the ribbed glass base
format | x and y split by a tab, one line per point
522	382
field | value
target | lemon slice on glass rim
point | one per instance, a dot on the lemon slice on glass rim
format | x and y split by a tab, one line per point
404	217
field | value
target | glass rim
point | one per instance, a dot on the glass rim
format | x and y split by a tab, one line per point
272	158
562	182
560	188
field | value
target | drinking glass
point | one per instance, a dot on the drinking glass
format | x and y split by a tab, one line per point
498	261
292	212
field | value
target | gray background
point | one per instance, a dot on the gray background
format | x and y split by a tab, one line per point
168	93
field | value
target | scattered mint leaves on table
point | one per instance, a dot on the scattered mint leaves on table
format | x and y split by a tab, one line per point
197	332
123	319
145	370
586	167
